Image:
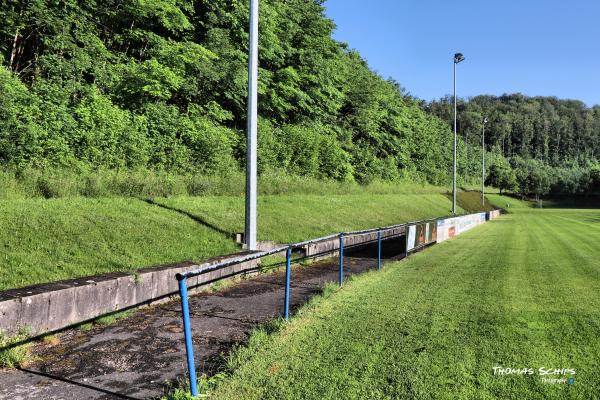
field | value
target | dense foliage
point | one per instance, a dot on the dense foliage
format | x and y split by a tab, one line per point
162	84
540	145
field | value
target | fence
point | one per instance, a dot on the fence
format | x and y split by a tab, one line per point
418	234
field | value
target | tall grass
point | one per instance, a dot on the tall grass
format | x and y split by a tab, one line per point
60	183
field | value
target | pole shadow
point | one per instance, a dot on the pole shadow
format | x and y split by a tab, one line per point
196	218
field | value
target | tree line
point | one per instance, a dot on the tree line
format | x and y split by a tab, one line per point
162	85
538	145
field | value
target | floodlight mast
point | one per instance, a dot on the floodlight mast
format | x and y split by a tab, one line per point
252	131
485	121
458	57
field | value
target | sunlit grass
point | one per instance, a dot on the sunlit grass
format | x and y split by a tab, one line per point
291	218
519	292
46	240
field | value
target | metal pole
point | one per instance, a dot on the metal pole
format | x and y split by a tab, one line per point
467	158
483	164
251	158
288	273
341	259
187	331
454	170
378	250
406	241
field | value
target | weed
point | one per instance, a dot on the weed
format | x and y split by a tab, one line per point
86	327
12	355
51	340
112	318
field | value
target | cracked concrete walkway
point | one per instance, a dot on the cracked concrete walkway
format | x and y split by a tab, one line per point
143	355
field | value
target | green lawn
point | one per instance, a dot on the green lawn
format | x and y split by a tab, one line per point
508	203
45	240
295	218
519	292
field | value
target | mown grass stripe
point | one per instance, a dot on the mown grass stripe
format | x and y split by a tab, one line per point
516	292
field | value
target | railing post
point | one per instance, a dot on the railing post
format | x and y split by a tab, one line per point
187	331
378	251
406	241
341	259
288	273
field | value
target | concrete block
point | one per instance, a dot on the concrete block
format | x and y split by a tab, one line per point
126	295
53	306
96	297
10	314
61	310
35	305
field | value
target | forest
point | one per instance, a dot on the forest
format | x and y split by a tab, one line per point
538	144
160	86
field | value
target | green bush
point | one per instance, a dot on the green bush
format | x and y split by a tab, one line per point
107	136
19	134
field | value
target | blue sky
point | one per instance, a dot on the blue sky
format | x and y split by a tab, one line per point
535	47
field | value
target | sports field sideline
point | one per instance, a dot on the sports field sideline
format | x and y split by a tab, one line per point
508	310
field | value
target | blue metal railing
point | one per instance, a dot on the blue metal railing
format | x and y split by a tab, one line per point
187	327
341	259
288	249
288	275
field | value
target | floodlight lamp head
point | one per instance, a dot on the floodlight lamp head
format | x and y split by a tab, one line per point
458	57
485	120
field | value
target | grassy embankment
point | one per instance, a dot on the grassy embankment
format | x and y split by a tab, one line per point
44	240
520	292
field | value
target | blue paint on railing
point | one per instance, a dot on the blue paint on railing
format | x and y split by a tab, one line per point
378	251
187	331
341	259
288	273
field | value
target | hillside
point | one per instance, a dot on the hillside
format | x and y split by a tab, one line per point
55	239
162	86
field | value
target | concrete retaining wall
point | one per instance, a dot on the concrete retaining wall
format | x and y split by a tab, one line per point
329	248
53	306
48	307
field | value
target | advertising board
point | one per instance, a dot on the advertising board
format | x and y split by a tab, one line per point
421	234
449	227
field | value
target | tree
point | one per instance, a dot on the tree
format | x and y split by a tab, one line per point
595	178
162	84
533	177
501	175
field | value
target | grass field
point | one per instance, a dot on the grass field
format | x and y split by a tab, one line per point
508	203
519	292
44	240
293	218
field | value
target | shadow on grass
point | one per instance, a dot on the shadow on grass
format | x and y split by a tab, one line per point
573	201
196	218
470	200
